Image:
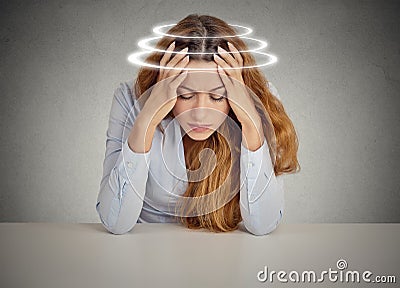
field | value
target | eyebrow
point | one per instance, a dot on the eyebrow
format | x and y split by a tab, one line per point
194	90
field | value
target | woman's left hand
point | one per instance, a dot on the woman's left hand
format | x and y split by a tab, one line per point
239	99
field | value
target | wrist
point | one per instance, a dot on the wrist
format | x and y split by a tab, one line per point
146	122
252	135
141	135
252	124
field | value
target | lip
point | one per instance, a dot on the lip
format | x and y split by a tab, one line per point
199	127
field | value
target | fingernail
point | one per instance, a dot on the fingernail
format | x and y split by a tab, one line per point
220	48
185	49
216	56
172	44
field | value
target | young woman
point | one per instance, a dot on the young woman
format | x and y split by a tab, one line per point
173	151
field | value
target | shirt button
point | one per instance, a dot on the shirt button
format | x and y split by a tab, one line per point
130	164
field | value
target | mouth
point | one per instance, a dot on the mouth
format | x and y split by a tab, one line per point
200	127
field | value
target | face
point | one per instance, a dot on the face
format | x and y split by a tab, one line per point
201	101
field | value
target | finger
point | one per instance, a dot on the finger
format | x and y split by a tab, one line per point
237	54
221	62
178	80
182	64
177	57
227	57
224	78
235	73
167	55
164	60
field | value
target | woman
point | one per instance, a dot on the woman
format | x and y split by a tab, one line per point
173	151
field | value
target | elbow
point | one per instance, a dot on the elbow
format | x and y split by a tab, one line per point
258	229
261	231
118	228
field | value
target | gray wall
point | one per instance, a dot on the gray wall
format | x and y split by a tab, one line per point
338	76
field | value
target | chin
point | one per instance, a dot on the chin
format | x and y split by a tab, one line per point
199	136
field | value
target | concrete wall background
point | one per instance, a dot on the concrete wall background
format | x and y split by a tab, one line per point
337	75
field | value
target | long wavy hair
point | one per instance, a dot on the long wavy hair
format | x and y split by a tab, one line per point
220	217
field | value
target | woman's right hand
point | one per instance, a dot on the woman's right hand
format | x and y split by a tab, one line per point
163	95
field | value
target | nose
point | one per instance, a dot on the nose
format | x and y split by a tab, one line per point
199	109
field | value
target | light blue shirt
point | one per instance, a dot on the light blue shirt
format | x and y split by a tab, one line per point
129	177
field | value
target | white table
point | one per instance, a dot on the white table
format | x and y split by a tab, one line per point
169	255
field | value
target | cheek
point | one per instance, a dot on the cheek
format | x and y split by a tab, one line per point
226	108
223	112
179	108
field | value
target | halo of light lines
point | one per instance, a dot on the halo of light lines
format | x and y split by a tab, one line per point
157	30
145	45
138	58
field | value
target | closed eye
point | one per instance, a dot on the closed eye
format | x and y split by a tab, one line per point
219	99
186	97
213	97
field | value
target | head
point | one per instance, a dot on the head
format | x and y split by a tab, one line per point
201	109
202	101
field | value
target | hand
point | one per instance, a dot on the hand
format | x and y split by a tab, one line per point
163	95
239	99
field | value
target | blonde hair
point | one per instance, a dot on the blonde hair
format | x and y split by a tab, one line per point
227	217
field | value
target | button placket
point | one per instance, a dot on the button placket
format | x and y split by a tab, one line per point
131	166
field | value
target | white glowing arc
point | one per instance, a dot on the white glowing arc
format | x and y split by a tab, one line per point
144	44
157	30
134	58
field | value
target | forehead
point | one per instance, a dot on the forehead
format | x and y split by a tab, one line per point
202	80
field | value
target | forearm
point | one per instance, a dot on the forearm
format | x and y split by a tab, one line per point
142	133
261	194
252	134
262	204
120	200
125	172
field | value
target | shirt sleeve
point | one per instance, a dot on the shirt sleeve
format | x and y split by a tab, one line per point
274	90
261	192
125	172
